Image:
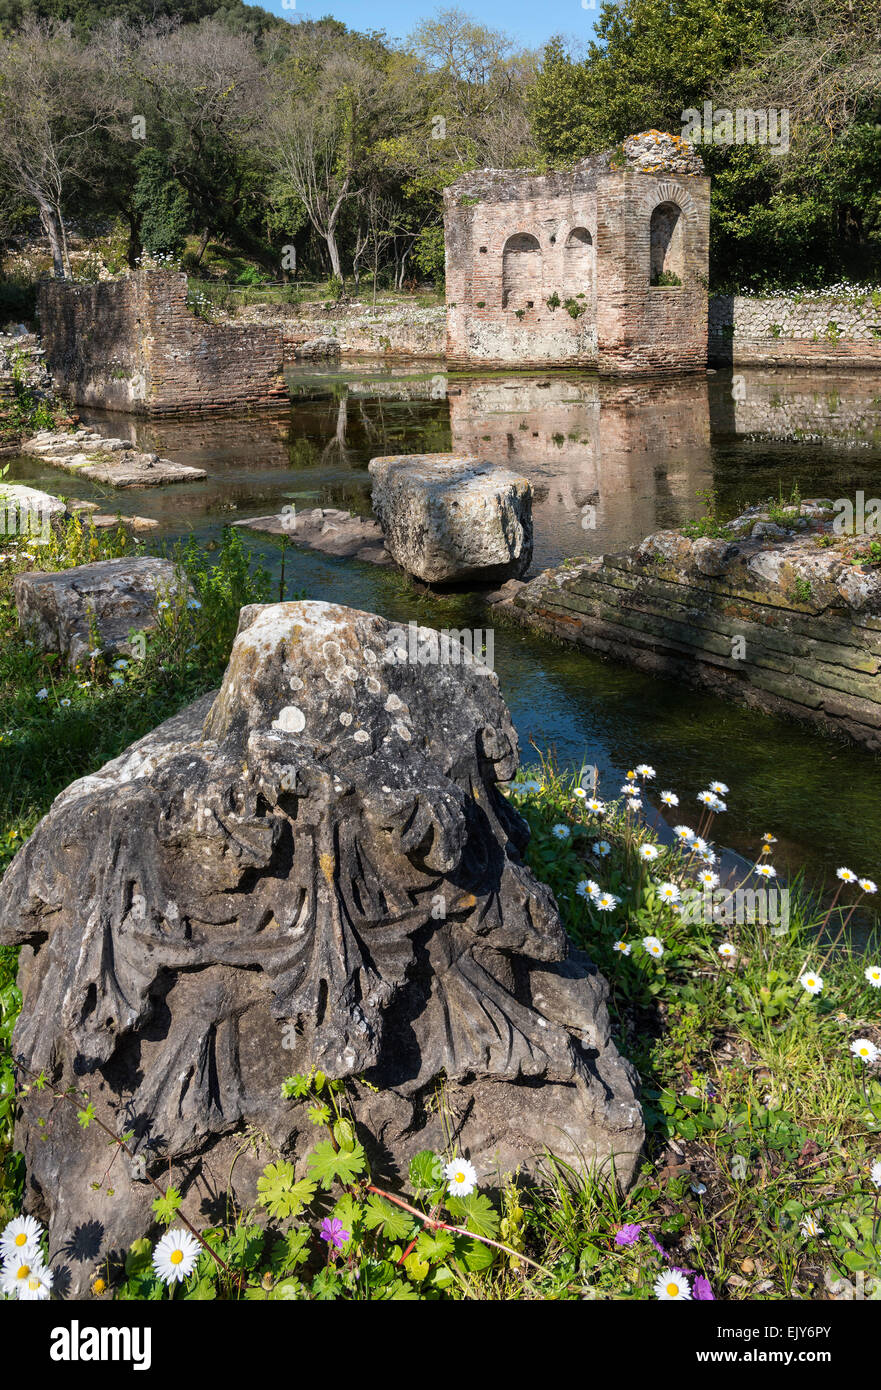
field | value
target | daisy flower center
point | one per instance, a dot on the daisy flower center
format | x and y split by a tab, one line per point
673	1290
23	1272
459	1177
176	1256
21	1238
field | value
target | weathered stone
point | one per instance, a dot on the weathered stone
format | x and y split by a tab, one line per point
323	346
784	622
316	867
327	529
69	611
27	512
447	518
112	461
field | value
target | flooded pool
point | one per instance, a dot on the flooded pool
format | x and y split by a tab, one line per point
609	463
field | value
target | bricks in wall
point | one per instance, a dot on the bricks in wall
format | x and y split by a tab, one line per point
134	345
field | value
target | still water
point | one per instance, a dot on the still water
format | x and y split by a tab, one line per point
609	463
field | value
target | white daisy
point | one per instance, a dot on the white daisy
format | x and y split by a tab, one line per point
17	1234
595	806
765	871
175	1255
644	770
43	694
561	832
527	788
668	893
672	1287
461	1177
38	1285
684	833
868	886
810	1226
699	845
706	797
18	1270
811	982
647	853
120	665
769	839
727	950
846	875
873	975
602	848
653	946
865	1050
579	792
587	888
719	788
875	1173
606	902
707	879
634	803
630	789
625	948
194	603
670	798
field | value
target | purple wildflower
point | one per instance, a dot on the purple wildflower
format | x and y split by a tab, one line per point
333	1232
701	1289
627	1235
660	1249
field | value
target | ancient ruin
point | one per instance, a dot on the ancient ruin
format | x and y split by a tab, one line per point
603	265
315	867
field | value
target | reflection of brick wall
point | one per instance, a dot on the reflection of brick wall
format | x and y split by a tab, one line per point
516	242
133	345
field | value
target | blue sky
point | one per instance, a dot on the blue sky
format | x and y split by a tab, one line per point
532	22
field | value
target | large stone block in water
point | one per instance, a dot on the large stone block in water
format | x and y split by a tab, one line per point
70	611
315	867
447	518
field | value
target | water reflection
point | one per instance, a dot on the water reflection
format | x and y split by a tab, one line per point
609	462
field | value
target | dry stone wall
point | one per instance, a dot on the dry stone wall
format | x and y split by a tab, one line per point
797	330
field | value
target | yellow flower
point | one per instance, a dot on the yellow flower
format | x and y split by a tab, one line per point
98	1287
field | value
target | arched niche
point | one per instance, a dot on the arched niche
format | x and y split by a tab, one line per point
667	245
521	270
578	264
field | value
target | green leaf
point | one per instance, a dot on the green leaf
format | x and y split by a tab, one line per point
426	1171
290	1252
476	1211
166	1207
379	1214
344	1134
329	1166
280	1194
434	1245
139	1258
319	1113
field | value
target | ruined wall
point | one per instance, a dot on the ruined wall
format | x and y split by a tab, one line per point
558	269
512	244
134	345
785	628
810	330
647	224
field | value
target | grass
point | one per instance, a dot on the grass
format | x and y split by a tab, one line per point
759	1118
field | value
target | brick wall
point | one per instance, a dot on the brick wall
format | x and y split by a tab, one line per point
514	243
133	345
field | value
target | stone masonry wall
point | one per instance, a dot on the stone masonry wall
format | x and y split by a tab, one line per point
797	330
557	269
134	345
512	243
641	327
780	625
400	331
